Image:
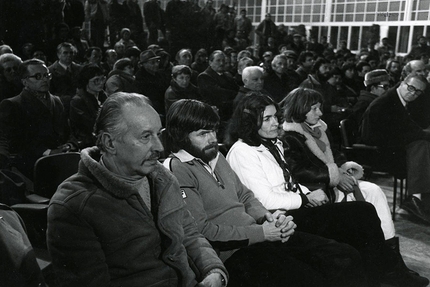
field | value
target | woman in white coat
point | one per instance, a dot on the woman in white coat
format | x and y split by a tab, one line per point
257	156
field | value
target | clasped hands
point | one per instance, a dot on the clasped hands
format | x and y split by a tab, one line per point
278	227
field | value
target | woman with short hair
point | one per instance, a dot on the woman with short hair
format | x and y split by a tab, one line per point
85	105
180	86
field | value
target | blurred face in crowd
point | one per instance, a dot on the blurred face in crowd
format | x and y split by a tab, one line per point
152	65
394	68
323	72
10	70
254	80
380	88
218	64
291	63
111	56
65	56
314	115
183	80
364	71
202	58
411	89
270	124
203	144
129	70
335	80
279	66
418	68
38	78
185	58
350	73
96	83
95	57
308	63
39	55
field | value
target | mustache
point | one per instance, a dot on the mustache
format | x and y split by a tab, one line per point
154	155
215	145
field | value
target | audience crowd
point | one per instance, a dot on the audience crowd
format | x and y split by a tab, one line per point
276	105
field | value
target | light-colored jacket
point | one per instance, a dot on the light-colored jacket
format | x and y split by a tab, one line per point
258	170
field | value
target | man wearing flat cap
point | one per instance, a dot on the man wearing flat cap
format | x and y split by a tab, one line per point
377	82
150	81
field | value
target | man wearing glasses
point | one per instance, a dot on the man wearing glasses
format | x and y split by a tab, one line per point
388	124
376	83
32	123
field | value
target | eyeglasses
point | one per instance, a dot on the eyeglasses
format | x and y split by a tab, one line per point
385	87
99	80
40	76
412	89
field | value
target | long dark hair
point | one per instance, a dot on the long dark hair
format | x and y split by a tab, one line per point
248	118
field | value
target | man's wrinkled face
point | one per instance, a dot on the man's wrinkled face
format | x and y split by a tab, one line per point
218	64
65	56
185	58
279	66
254	81
411	89
138	149
203	144
10	70
38	78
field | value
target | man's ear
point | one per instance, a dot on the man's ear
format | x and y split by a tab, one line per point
108	143
24	82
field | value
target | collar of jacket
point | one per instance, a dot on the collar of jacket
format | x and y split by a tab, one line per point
90	166
327	156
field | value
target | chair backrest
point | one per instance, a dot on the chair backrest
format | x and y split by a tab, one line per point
348	131
50	171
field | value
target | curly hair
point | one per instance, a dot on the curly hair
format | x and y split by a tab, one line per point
247	119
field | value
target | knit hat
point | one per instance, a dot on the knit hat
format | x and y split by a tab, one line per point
376	76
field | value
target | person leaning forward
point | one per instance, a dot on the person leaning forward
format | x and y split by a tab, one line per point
121	221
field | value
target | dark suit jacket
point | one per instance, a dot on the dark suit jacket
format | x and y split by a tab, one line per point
218	90
28	128
63	83
386	123
83	113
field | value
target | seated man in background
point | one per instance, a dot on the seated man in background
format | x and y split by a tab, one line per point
387	123
32	124
258	248
121	221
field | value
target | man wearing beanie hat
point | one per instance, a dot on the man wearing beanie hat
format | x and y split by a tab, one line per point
376	83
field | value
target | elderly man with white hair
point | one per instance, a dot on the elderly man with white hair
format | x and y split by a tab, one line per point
253	80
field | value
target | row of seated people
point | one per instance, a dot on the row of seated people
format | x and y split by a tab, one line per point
122	204
128	218
214	84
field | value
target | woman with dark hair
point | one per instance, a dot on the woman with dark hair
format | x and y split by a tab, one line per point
261	163
85	105
180	86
